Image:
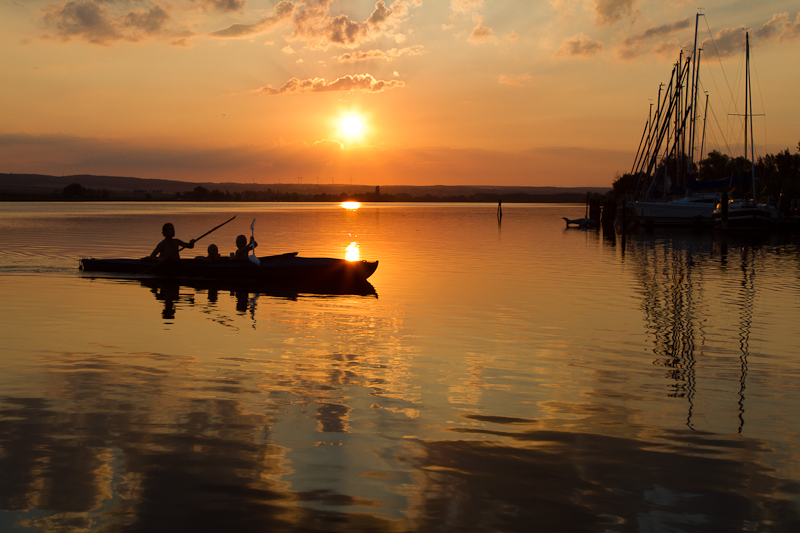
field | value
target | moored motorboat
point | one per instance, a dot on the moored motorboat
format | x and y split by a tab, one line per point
286	270
745	214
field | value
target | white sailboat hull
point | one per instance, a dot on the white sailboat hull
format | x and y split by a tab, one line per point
687	211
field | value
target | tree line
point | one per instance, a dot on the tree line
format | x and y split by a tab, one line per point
76	192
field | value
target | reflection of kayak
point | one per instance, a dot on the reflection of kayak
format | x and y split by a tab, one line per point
242	289
274	271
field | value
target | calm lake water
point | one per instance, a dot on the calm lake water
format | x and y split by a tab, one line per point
505	377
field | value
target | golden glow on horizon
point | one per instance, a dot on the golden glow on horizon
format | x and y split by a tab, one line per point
351	253
351	206
404	104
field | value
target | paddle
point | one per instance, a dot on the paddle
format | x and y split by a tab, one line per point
211	230
183	247
253	257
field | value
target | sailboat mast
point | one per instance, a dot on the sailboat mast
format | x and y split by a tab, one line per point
693	96
748	100
703	138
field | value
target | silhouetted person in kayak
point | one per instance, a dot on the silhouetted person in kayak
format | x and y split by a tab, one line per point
243	248
169	248
213	254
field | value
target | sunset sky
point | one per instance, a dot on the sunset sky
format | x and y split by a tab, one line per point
471	92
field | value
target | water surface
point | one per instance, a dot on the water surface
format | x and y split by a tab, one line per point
503	377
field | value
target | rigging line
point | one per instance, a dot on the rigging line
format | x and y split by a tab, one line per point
722	132
716	121
761	97
719	58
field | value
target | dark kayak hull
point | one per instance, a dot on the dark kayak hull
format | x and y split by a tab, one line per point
314	273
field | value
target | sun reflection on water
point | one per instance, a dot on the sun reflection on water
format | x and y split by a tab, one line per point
351	206
351	252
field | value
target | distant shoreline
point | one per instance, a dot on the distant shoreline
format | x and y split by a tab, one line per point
88	188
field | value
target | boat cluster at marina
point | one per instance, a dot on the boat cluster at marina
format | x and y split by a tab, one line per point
667	190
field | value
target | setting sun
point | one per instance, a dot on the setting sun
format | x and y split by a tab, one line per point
352	126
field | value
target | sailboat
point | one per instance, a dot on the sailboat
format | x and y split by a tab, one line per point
662	158
746	213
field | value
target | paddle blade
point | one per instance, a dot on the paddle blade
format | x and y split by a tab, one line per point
254	259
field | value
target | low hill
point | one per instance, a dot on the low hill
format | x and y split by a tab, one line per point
38	186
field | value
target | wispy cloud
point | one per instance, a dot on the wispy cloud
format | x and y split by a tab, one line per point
313	25
281	13
727	43
104	22
580	46
565	7
221	5
781	28
608	12
517	81
480	33
634	45
465	6
350	83
87	20
381	55
667	50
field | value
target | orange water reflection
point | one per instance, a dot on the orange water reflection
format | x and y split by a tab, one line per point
351	253
490	360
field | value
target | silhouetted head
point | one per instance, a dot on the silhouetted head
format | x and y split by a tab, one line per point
241	241
168	230
213	251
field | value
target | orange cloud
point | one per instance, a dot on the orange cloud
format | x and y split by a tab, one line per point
517	81
384	55
319	31
105	22
780	28
221	5
311	23
480	33
581	46
727	43
608	12
633	45
87	20
282	12
465	6
356	83
667	50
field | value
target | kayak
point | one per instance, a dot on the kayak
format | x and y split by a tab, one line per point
273	271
